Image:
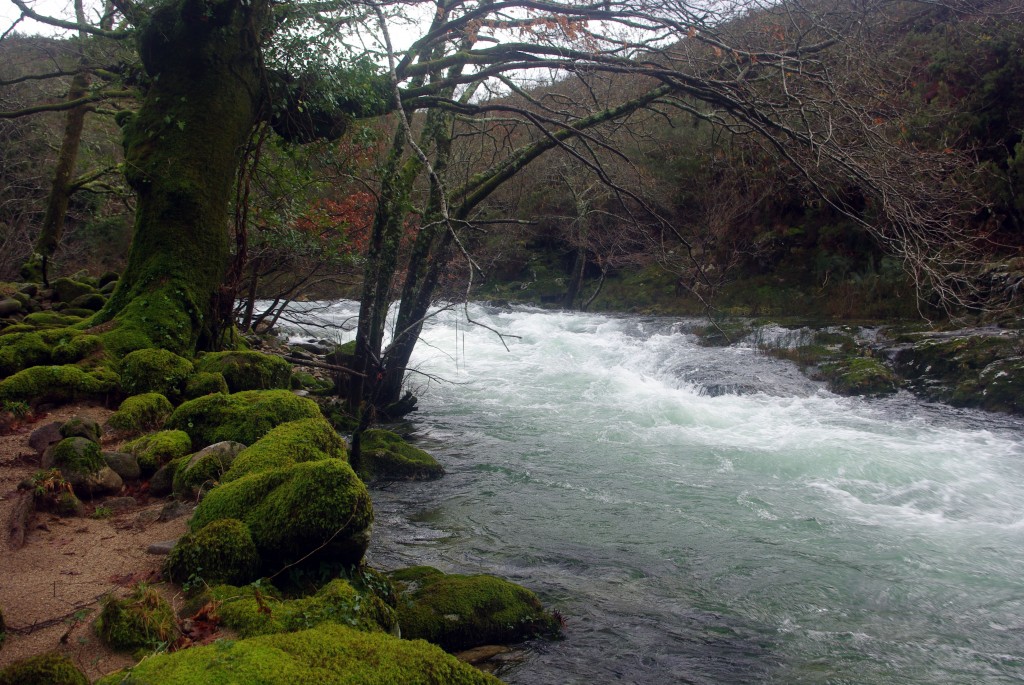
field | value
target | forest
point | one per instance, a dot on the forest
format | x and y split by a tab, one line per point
184	181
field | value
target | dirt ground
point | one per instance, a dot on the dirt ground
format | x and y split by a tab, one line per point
51	587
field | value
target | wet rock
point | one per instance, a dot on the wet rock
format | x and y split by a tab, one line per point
125	465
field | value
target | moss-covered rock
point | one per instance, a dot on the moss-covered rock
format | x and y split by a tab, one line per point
50	320
22	350
458	612
155	370
205	469
260	611
860	376
80	427
386	456
143	620
243	417
318	507
221	552
287	444
73	347
205	383
44	669
156	449
66	289
90	302
59	384
330	654
247	369
142	412
74	455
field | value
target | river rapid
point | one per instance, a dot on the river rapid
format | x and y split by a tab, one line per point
708	515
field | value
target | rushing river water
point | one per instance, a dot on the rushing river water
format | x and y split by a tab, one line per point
708	515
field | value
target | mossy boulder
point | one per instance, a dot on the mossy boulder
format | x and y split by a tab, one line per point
147	411
67	289
860	376
287	444
66	383
156	449
90	302
22	350
459	612
998	387
243	417
247	369
81	463
74	347
253	611
318	507
204	469
386	456
50	320
44	669
220	553
143	620
205	383
155	370
80	427
330	654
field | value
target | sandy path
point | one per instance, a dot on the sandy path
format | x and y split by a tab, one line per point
68	563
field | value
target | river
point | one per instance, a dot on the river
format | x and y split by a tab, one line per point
709	515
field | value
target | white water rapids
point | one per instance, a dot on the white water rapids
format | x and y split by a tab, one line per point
773	534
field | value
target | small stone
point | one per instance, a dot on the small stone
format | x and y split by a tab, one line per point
44	436
163	548
119	505
125	465
173	510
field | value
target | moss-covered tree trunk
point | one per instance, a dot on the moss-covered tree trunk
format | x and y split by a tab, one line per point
182	151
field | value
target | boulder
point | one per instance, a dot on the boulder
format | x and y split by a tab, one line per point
124	464
79	427
143	620
222	552
243	417
247	369
155	370
385	456
205	469
44	436
9	306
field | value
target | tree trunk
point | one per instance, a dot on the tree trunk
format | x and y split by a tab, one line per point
579	265
182	151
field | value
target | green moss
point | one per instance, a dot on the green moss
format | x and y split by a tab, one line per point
330	654
287	444
44	669
459	612
59	384
247	370
140	412
50	320
143	620
205	383
21	350
204	470
77	455
73	346
257	610
222	552
860	376
155	370
292	511
386	456
66	289
244	417
156	449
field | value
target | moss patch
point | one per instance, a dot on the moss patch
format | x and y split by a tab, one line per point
45	669
156	449
459	612
143	620
222	552
860	376
287	444
329	653
59	384
243	417
205	383
21	350
386	456
141	412
316	505
247	370
258	611
155	370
